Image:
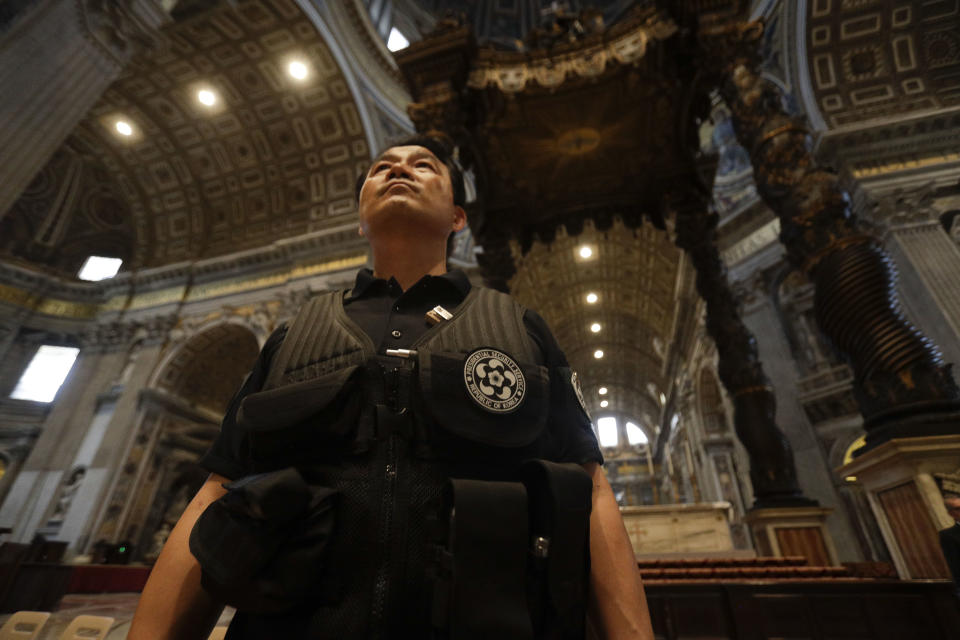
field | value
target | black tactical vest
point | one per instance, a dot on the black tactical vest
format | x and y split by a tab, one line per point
387	433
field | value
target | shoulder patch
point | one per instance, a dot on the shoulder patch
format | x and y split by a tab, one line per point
575	383
494	380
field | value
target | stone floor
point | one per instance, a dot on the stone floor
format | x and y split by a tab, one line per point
119	606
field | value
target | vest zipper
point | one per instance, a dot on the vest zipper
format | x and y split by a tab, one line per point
387	507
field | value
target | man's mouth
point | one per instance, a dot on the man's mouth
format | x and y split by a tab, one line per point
394	186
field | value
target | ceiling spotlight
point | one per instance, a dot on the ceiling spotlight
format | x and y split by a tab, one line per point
124	128
595	327
602	391
207	97
598	354
585	252
591	298
603	404
297	70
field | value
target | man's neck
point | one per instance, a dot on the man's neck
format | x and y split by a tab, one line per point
407	262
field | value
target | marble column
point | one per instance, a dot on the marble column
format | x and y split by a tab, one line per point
902	384
56	59
772	470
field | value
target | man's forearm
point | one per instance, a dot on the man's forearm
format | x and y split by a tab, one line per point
618	605
173	604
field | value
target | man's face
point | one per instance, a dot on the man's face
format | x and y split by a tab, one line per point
408	188
953	507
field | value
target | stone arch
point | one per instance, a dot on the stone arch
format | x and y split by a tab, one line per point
183	406
843	447
227	346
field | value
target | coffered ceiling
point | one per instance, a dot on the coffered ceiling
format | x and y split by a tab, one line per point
870	59
272	157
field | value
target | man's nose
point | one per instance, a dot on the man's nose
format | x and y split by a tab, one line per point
398	170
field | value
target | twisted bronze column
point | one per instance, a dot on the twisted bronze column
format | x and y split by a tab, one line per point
772	470
902	385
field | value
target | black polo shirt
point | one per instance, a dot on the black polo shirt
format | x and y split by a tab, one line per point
394	319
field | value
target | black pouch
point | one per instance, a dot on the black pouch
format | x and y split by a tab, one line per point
446	396
263	545
300	418
560	497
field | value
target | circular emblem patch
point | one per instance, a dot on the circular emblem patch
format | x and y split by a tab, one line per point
494	380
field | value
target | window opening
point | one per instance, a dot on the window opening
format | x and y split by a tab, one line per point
607	428
396	40
99	268
45	374
635	434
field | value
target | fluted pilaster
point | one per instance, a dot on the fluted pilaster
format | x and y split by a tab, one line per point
55	62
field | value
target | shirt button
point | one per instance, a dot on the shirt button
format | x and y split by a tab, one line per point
396	333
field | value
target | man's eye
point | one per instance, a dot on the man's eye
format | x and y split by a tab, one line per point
380	167
427	165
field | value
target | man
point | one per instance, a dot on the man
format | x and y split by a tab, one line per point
409	202
950	538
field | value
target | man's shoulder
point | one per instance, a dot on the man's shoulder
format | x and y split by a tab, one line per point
951	533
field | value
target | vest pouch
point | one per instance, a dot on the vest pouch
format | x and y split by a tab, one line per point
262	545
303	419
560	497
484	397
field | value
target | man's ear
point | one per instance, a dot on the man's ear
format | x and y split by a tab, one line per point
459	218
360	230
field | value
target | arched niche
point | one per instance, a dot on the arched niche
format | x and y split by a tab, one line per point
183	408
712	413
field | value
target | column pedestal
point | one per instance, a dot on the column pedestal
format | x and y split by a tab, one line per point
793	531
898	478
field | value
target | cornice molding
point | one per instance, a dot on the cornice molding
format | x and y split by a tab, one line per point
624	44
279	263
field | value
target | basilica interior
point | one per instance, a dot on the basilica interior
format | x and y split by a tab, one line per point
739	219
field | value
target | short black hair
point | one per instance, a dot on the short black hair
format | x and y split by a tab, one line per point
444	153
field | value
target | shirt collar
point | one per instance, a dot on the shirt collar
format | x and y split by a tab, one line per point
365	279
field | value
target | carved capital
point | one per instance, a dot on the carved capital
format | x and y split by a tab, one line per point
112	336
120	28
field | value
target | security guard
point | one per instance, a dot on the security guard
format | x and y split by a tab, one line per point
398	461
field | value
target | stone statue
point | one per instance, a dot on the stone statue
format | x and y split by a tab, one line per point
67	495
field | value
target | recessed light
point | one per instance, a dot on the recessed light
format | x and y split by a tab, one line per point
603	404
602	391
591	298
124	128
585	252
207	97
297	70
598	354
595	327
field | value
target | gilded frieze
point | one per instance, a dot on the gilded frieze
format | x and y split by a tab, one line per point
87	310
